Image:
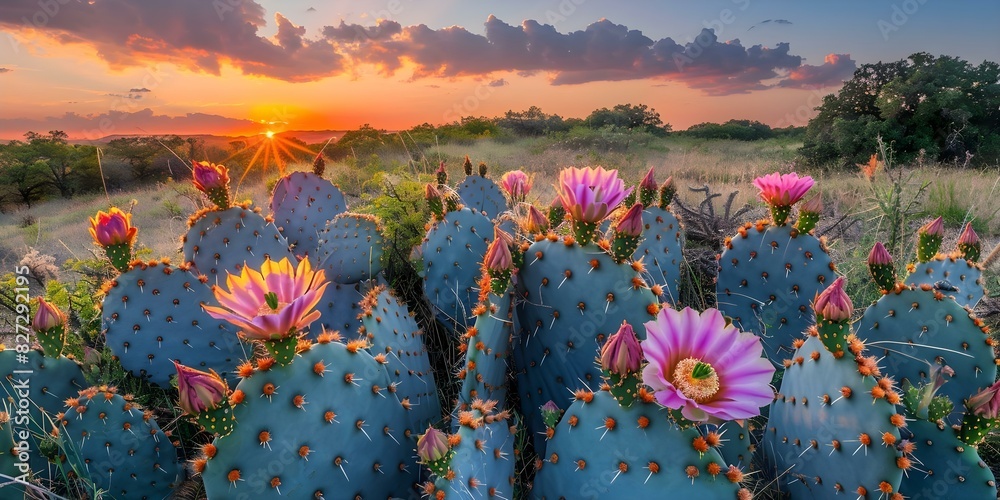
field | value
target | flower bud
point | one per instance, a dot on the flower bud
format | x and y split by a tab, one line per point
432	445
198	391
621	354
47	317
986	403
631	223
210	176
112	228
833	304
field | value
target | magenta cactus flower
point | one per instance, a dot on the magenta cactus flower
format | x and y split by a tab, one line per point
590	194
833	304
112	228
47	317
621	354
210	176
781	191
517	184
631	223
273	303
198	391
704	367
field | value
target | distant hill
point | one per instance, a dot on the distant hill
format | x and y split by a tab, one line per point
307	136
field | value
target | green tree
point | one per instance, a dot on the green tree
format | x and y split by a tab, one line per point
942	106
140	152
24	180
62	161
629	116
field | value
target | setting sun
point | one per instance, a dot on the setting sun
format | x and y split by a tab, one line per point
269	134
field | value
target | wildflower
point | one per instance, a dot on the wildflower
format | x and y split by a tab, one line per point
704	367
209	176
781	191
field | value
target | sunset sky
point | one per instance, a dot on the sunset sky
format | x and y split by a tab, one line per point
101	67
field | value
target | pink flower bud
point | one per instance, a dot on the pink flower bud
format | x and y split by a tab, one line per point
198	391
968	236
631	223
432	445
498	257
621	354
431	192
649	181
879	256
986	403
813	205
536	221
933	228
47	317
834	304
112	228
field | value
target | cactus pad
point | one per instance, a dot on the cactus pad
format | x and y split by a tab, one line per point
768	276
221	242
965	282
302	203
152	316
482	194
351	247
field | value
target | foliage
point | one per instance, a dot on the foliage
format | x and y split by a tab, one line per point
629	116
941	106
140	151
741	130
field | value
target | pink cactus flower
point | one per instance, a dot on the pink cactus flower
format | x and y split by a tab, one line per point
47	317
986	403
704	367
209	176
879	256
782	190
198	391
517	184
631	223
648	181
590	194
833	303
621	354
273	303
112	228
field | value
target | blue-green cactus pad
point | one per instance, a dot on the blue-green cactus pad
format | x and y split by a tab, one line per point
302	203
221	242
152	316
351	248
767	281
967	285
482	194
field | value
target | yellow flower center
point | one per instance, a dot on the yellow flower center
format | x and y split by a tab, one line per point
696	379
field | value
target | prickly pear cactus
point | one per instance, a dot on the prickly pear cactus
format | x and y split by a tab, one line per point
487	346
834	426
350	248
768	275
482	461
152	316
302	203
33	388
738	449
954	276
326	425
661	250
574	297
393	333
913	327
482	194
602	450
948	468
453	253
339	309
110	440
221	242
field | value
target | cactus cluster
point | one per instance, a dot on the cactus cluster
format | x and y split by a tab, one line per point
303	373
